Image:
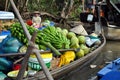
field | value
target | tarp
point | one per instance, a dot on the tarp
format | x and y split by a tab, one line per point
6	15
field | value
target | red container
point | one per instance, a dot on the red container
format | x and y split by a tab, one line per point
16	66
29	22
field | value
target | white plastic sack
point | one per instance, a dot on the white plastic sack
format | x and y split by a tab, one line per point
6	15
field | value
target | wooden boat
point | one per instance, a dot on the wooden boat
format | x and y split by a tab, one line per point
57	72
110	71
112	33
111	19
61	71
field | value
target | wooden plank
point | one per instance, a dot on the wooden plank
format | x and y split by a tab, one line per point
42	52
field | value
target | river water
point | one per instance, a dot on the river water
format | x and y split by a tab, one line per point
110	52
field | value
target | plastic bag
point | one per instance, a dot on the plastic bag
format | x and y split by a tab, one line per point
2	76
13	42
5	64
10	45
90	41
10	49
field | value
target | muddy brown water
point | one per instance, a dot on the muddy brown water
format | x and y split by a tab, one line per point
110	52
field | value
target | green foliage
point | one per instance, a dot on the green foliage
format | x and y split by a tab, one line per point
55	7
42	5
76	13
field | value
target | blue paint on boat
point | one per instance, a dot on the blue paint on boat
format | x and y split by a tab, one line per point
111	71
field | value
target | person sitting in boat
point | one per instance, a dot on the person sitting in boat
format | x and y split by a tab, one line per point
90	5
36	20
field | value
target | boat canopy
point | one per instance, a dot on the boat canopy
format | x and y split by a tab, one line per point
6	15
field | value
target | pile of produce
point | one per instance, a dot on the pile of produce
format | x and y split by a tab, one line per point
66	46
54	38
17	32
48	34
4	25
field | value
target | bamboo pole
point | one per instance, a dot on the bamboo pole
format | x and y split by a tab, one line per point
29	50
26	57
6	5
83	4
21	20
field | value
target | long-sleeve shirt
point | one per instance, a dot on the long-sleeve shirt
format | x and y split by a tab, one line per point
36	21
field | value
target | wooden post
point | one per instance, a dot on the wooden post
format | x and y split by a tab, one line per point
98	28
6	5
21	20
29	50
83	4
26	57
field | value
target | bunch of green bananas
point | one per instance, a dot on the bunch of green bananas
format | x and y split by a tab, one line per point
57	39
17	31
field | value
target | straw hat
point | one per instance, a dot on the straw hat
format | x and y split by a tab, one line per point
36	12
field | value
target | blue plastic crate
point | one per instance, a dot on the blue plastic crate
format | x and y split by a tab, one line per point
112	67
5	33
52	23
113	75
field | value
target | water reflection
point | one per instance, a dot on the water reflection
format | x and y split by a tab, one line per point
110	52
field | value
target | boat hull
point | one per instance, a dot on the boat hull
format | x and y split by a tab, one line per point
112	33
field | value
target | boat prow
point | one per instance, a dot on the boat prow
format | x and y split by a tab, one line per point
113	33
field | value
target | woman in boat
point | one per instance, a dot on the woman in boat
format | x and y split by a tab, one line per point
90	5
36	20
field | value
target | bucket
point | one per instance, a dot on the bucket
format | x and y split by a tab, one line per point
35	65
